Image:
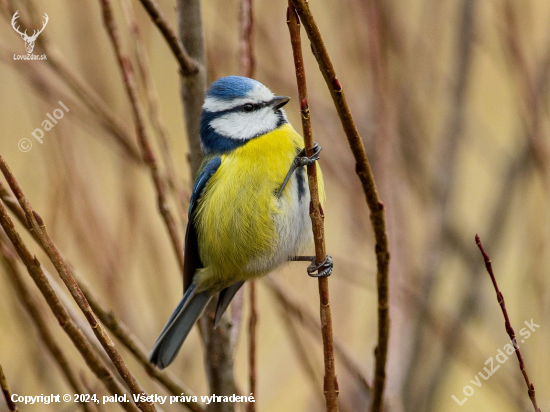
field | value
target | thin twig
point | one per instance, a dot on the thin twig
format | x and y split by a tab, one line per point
252	331
75	334
35	313
317	216
247	61
146	149
508	325
6	391
247	65
467	307
188	66
376	207
193	87
35	221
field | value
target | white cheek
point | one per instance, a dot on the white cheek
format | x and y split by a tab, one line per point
245	125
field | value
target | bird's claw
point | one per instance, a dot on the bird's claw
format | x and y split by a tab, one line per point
303	160
323	269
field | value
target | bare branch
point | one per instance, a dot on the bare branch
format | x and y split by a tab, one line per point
193	87
218	357
508	325
317	216
376	207
247	65
6	391
188	66
252	331
247	61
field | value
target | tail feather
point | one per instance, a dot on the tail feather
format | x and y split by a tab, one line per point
178	327
224	300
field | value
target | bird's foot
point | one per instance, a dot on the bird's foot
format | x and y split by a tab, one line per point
303	160
323	269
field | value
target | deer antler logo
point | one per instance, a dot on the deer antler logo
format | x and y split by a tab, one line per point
29	41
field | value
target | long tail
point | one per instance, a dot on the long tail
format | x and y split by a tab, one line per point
178	327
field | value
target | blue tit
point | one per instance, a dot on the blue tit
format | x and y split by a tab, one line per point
249	209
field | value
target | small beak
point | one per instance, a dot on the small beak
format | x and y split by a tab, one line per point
279	101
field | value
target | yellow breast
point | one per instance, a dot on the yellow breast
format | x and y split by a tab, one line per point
237	212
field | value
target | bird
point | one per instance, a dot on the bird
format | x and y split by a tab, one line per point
249	208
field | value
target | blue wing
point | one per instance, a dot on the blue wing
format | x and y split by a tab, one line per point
191	258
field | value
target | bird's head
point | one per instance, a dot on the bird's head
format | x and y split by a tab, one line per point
236	110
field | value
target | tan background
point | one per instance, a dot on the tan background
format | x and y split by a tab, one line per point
443	119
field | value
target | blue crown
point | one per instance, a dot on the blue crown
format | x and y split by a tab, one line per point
231	87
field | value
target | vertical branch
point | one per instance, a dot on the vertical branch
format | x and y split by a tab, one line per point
247	61
247	64
508	325
252	332
317	216
218	350
376	207
193	86
6	391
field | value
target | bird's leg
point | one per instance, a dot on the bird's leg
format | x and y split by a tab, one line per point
300	160
324	268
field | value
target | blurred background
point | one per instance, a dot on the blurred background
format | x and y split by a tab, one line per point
451	99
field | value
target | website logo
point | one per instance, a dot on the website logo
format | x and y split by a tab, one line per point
29	40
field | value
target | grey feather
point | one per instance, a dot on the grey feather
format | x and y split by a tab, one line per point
178	327
224	300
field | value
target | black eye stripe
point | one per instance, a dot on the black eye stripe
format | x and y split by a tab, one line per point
253	106
240	108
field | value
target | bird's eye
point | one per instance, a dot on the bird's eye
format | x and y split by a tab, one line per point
248	107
